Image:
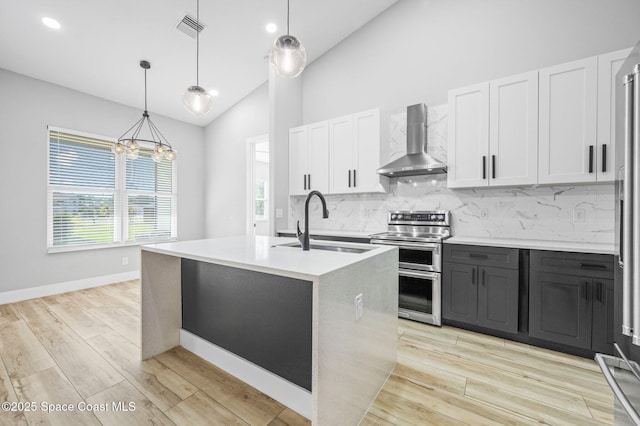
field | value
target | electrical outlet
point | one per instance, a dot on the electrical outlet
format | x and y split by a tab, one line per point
359	306
279	213
578	215
125	260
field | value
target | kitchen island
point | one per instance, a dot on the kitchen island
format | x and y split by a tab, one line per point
315	330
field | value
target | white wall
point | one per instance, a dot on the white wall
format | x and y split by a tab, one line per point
27	106
419	49
226	165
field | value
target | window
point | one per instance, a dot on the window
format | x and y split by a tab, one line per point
262	207
97	199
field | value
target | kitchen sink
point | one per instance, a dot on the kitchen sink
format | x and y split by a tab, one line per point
312	246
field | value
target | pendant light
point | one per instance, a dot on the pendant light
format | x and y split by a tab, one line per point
288	56
197	100
129	142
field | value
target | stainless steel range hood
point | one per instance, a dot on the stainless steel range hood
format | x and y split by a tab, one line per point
416	161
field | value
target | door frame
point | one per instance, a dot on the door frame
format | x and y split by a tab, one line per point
250	183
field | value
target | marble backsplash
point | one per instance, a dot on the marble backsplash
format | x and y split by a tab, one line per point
580	213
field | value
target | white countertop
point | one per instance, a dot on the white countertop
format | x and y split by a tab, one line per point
332	233
570	246
259	254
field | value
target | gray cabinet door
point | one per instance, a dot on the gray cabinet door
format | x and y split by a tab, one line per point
460	292
602	334
498	299
560	308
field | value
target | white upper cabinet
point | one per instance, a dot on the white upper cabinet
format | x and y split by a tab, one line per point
608	67
493	133
513	130
366	142
468	136
342	151
309	158
298	159
568	114
337	156
355	153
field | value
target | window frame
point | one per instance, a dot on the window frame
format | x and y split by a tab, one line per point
120	205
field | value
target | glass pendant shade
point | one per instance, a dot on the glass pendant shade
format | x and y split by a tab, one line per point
170	155
197	100
288	56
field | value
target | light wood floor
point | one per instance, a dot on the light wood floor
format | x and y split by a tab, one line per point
82	348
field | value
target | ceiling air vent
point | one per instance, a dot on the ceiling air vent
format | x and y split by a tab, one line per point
190	26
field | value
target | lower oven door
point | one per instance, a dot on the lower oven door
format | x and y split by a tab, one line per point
419	297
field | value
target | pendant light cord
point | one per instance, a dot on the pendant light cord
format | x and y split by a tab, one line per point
198	43
287	17
145	90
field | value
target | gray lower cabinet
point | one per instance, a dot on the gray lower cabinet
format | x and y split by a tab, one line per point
476	292
571	299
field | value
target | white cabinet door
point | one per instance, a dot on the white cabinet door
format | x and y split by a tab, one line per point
513	130
568	114
366	135
342	155
298	158
318	156
468	137
608	67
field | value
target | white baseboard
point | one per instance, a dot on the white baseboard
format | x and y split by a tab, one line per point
48	290
283	391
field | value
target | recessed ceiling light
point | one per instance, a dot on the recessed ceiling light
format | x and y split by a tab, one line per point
51	23
214	92
271	27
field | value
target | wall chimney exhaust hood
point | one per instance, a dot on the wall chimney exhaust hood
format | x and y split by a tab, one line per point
416	161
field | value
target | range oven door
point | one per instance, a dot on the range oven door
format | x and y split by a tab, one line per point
419	298
416	256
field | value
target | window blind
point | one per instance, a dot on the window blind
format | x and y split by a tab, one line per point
82	191
150	199
96	198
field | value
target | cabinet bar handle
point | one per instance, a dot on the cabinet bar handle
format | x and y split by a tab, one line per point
493	166
599	291
349	178
309	180
590	158
354	178
305	181
478	255
473	276
585	288
604	158
592	266
484	167
621	232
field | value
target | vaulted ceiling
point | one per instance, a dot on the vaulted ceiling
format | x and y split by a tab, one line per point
100	43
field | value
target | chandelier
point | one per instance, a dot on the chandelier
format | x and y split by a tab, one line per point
129	142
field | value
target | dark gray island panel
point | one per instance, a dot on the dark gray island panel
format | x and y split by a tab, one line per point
263	318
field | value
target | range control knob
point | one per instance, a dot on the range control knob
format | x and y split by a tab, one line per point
393	216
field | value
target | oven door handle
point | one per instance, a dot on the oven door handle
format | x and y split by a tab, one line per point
435	247
418	274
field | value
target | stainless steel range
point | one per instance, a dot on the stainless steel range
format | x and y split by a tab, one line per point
419	236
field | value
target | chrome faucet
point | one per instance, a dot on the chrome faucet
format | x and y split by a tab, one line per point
304	237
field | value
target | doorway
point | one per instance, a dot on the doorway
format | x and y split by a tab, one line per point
258	206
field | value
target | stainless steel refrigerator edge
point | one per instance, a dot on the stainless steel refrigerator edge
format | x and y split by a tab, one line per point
622	372
627	277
